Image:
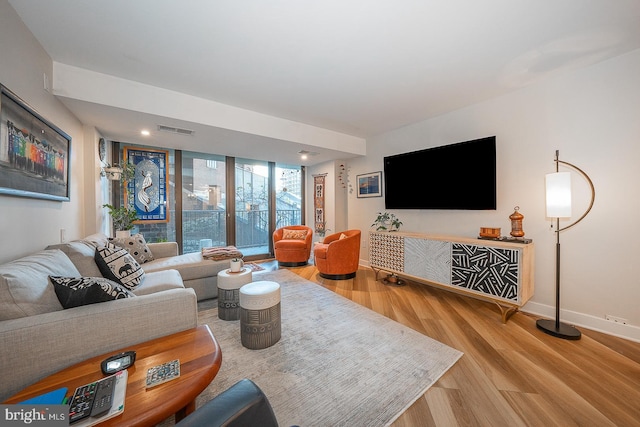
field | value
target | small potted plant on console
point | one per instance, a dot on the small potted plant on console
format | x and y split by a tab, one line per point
387	222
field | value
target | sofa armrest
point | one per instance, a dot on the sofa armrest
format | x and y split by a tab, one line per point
163	249
36	346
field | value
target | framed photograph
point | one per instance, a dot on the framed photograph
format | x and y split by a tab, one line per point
34	154
147	190
369	184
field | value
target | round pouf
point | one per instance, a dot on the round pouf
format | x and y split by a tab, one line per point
260	314
229	285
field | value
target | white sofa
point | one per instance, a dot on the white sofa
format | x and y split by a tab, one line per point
197	273
38	337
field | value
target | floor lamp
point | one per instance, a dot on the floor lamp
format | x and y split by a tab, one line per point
558	192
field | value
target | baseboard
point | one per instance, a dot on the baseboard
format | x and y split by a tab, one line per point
629	332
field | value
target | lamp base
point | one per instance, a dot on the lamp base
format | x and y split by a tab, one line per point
563	331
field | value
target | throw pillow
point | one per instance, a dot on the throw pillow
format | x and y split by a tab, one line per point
136	246
342	236
294	234
77	291
118	265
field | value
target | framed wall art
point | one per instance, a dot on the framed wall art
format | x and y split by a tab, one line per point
369	184
34	153
147	191
318	204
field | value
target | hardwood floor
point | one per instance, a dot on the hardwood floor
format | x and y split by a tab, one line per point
511	374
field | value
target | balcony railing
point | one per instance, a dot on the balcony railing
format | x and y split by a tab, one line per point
252	227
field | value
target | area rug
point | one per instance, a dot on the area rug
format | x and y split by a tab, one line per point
337	363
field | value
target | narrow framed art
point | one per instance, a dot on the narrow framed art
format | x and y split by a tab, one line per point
318	204
34	153
147	191
369	184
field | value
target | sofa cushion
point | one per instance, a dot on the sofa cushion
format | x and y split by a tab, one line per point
97	240
81	253
292	245
118	265
136	245
78	291
24	284
191	266
159	281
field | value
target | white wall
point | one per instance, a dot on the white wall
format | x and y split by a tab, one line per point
335	204
27	225
591	116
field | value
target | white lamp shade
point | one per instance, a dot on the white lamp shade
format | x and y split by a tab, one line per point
558	194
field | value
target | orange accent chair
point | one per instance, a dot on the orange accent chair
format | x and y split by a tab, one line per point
292	245
338	255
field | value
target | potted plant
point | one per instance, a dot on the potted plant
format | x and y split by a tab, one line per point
123	219
321	229
236	265
386	222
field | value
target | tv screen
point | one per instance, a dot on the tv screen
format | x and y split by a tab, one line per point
455	176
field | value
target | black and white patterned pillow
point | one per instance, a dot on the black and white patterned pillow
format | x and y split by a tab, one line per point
118	265
77	291
136	245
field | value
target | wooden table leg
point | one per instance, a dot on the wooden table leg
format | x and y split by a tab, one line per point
182	413
506	312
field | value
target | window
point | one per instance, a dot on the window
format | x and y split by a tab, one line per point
203	219
203	201
252	209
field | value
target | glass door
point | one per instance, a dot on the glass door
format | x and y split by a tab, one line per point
288	195
252	207
203	201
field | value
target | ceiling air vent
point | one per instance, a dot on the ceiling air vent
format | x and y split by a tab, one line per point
171	129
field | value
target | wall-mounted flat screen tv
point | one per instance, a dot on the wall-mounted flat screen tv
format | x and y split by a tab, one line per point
456	176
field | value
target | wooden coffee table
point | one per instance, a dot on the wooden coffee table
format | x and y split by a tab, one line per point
200	359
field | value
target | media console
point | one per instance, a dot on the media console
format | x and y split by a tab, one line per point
497	271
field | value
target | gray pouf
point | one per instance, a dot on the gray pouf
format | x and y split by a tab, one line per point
260	314
229	284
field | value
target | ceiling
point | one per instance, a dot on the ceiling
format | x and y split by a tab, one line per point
355	67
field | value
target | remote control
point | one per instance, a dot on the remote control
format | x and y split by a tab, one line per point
163	373
92	399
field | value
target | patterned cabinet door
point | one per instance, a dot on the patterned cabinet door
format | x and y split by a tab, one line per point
488	270
386	251
428	259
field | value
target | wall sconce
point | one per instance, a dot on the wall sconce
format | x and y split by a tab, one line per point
558	192
113	173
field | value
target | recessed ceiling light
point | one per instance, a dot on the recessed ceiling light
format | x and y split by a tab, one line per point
304	154
145	132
